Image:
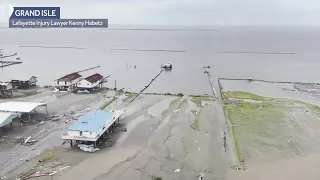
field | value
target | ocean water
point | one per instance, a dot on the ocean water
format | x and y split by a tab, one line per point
270	53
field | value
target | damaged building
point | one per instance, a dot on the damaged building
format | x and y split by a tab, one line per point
20	83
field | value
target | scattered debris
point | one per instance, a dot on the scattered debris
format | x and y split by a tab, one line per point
52	173
24	159
63	168
200	176
34	174
27	140
55	119
156	178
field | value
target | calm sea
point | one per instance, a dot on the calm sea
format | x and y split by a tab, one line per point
270	53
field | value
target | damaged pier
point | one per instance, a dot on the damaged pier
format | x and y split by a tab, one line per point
146	86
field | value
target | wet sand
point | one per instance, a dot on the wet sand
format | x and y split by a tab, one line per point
157	145
161	138
175	137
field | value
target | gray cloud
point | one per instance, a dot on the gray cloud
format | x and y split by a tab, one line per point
187	12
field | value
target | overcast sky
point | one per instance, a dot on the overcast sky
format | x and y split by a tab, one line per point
184	12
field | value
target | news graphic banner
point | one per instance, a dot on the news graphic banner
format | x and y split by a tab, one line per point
49	17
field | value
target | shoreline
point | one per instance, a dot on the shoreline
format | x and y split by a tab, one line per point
172	129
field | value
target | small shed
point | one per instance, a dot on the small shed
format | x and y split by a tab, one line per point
20	83
21	107
90	82
68	81
6	119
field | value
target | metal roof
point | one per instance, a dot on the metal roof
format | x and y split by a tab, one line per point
4	83
92	121
70	77
94	78
23	107
23	78
6	118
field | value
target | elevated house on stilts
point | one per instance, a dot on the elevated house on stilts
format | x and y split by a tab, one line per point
91	83
91	128
68	82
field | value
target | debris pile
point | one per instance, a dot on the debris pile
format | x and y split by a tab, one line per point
35	174
28	141
200	176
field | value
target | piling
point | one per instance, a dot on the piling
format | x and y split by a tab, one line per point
210	80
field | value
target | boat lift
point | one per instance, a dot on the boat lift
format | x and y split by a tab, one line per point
167	66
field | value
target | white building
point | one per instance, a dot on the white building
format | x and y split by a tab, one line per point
92	126
91	82
67	82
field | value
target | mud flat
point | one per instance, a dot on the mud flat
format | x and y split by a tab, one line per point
45	129
275	128
172	137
